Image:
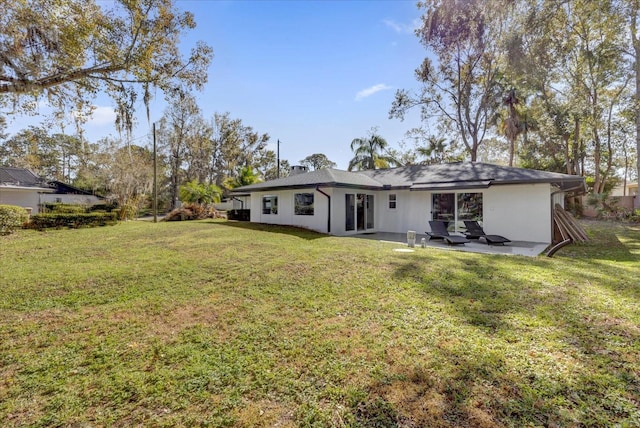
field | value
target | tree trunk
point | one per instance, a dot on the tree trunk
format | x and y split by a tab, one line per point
636	69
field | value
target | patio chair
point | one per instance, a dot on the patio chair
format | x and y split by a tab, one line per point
475	231
439	231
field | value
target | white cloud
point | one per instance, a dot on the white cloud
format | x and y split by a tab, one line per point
99	116
401	28
372	90
103	116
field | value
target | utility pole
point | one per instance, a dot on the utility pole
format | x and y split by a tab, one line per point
155	176
278	158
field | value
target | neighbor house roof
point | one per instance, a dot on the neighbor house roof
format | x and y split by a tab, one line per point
468	175
19	177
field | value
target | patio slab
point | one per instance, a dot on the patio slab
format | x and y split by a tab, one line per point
514	248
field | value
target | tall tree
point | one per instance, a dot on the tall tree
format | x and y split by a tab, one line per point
235	146
246	177
369	152
633	12
55	157
175	132
459	87
69	50
317	161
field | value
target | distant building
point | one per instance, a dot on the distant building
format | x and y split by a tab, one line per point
23	188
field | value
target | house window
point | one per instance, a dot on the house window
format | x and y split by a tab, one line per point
392	201
269	205
303	203
454	208
469	206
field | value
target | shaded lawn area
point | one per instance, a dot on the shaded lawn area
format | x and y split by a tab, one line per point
208	323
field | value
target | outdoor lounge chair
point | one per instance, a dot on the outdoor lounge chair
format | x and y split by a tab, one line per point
475	231
439	231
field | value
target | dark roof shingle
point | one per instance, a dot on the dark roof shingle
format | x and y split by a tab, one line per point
422	177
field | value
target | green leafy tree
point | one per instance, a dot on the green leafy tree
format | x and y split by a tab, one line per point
459	77
369	153
234	146
200	193
317	161
175	133
246	177
69	50
55	157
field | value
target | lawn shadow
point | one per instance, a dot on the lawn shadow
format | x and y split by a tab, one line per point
512	304
298	232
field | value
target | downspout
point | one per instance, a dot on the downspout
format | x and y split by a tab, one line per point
328	209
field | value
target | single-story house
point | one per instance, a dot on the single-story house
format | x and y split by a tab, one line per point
513	202
23	188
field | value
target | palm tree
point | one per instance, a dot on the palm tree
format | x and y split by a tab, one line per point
512	124
369	153
246	176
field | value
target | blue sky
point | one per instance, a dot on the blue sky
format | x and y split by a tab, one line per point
313	74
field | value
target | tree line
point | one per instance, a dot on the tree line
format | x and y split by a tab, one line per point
546	84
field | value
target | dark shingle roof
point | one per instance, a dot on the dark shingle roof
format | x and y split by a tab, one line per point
423	177
323	177
19	177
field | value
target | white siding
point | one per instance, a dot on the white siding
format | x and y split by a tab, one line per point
413	211
64	198
21	198
285	215
519	212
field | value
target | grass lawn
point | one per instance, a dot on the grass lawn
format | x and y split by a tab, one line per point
240	325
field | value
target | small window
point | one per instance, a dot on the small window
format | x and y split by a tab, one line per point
303	204
392	201
269	205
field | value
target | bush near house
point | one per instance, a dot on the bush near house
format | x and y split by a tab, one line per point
11	218
72	220
59	216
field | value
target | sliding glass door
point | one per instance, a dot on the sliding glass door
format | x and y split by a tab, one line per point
359	212
454	208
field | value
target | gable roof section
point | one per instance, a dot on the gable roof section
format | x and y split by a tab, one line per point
324	177
467	175
19	177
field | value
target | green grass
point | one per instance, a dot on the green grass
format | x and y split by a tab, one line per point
229	324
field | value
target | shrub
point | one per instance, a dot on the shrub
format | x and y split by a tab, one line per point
106	207
64	208
11	218
72	220
193	212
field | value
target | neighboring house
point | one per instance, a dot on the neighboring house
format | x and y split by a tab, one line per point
631	189
21	187
513	202
67	194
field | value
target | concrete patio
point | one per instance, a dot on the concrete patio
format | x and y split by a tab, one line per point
515	248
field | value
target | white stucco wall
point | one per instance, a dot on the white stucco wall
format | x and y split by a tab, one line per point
85	200
519	212
21	197
285	215
413	211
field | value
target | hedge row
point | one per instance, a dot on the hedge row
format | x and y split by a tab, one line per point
72	220
12	218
